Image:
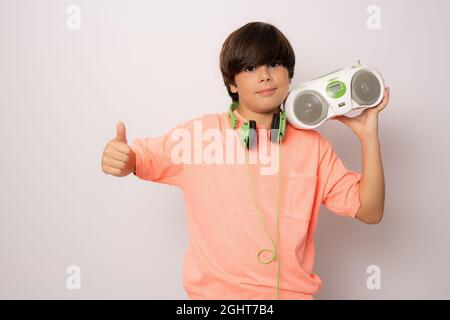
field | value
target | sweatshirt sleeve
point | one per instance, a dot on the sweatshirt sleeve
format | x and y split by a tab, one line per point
156	158
339	185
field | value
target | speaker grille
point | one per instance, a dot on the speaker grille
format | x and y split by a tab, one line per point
365	87
309	108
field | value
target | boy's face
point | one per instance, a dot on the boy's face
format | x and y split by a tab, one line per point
254	79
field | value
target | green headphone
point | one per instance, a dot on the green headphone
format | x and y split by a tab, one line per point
248	133
249	140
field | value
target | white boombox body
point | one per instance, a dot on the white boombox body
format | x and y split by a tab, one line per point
313	102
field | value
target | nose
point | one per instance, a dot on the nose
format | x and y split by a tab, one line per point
264	73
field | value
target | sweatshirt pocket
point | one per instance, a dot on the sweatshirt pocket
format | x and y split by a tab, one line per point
300	195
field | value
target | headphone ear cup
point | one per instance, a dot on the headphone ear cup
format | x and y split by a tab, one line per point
275	127
252	135
283	120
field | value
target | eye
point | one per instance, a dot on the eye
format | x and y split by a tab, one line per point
276	64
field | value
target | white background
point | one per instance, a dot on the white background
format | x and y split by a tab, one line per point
153	65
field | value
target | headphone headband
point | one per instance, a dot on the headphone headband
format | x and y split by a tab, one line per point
278	124
234	120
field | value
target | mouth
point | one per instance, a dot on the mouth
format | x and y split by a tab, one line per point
267	92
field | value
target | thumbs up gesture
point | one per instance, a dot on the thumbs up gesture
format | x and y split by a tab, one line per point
118	158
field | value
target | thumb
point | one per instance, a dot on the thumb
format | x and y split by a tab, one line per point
343	119
121	132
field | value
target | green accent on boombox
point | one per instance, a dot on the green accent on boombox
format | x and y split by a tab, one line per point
336	93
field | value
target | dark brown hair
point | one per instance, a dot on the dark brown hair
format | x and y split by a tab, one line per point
254	44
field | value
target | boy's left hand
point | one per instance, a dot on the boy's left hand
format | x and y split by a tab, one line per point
366	124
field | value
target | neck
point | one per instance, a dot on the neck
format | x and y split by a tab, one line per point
264	119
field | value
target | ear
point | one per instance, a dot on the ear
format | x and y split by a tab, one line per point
233	88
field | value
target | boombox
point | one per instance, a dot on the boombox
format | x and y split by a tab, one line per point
313	102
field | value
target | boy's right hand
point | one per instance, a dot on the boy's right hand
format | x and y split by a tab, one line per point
118	158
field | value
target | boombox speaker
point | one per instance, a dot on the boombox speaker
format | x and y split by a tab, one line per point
313	102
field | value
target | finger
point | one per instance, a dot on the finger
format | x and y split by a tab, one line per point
121	132
381	105
342	119
120	146
111	170
115	163
385	100
117	155
386	94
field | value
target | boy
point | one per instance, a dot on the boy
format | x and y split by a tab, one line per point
228	256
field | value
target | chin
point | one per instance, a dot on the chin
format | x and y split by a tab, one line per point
268	109
268	106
